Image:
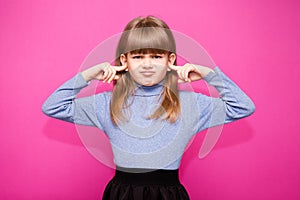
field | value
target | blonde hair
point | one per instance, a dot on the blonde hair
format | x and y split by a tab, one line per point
145	35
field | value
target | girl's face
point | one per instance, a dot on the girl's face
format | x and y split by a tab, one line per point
148	69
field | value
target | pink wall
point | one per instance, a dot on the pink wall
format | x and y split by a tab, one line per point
256	43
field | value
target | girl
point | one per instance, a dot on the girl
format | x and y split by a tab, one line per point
147	120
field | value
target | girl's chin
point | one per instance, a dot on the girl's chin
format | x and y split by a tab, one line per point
147	84
144	82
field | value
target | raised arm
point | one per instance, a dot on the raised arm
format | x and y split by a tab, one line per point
63	104
233	103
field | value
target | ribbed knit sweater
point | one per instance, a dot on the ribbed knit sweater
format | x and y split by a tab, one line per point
150	143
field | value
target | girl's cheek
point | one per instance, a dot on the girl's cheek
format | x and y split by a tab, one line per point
135	63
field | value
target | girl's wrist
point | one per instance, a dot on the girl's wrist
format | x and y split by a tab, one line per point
85	76
203	70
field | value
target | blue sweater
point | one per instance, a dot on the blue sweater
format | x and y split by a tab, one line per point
149	143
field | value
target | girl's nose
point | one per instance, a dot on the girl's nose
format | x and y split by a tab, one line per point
147	62
147	66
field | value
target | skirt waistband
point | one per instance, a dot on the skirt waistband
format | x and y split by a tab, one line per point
138	176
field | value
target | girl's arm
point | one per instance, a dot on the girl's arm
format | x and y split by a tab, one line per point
63	104
232	104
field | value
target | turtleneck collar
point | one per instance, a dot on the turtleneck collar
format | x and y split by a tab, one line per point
153	90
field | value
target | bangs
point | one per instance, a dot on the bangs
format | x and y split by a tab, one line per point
149	40
149	51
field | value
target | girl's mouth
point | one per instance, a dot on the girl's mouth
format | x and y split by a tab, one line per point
147	73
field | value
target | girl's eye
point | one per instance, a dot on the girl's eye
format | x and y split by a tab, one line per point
137	57
157	57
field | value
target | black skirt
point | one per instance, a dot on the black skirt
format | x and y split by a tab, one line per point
145	184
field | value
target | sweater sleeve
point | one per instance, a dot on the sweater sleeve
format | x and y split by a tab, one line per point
233	103
62	104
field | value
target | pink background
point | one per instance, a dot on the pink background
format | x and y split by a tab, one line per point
256	43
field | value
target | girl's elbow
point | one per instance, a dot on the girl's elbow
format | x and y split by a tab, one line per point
49	109
63	112
247	111
251	108
247	108
46	109
240	112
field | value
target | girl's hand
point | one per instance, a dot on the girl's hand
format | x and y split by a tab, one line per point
190	72
103	72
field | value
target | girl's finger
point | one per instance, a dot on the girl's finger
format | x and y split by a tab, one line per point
112	76
120	68
182	72
107	75
187	72
116	77
179	72
180	81
174	67
99	76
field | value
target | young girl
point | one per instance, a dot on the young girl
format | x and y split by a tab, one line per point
147	120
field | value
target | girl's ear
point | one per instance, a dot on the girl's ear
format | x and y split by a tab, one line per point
171	60
123	60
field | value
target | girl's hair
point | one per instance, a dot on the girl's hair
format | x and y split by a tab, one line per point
145	35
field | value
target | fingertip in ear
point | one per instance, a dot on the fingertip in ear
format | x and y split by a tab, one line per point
126	67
